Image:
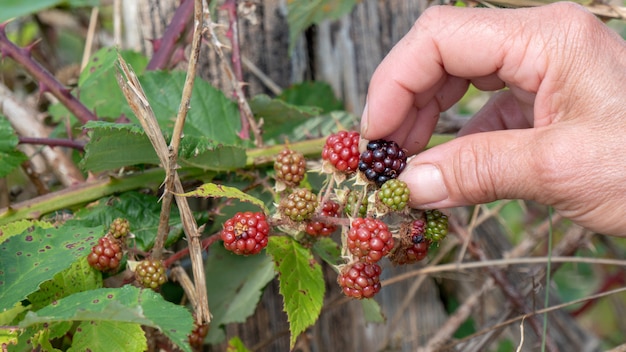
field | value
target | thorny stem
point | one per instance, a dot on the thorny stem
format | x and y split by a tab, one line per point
173	32
47	82
53	142
205	244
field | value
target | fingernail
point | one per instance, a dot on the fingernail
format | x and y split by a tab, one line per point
426	184
364	119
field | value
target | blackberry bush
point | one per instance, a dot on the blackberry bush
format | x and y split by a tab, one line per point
245	233
342	151
382	161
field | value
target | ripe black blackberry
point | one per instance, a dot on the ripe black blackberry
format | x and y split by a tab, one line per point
299	205
382	161
150	273
290	167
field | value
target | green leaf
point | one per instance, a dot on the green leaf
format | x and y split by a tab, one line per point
108	336
302	14
236	345
17	227
80	276
37	255
127	304
18	8
212	190
10	157
39	337
301	283
372	311
328	250
142	212
8	335
312	93
279	117
235	284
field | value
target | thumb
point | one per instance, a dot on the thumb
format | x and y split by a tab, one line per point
479	168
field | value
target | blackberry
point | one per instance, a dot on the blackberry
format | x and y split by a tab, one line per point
198	334
245	233
299	205
106	255
360	280
394	194
382	161
150	273
413	245
436	225
319	228
119	228
290	167
352	199
342	151
369	239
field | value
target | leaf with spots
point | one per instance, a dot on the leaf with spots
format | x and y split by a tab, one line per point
127	304
212	190
37	254
301	283
109	336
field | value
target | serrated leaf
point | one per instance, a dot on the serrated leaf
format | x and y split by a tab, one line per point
235	284
127	304
80	276
37	255
372	311
17	227
312	93
328	250
108	336
10	157
212	190
142	212
236	345
301	283
38	337
302	14
280	117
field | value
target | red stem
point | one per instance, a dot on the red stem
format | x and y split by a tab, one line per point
206	243
53	142
182	18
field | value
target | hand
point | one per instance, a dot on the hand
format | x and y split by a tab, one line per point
557	135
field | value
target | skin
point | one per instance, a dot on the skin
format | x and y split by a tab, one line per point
556	135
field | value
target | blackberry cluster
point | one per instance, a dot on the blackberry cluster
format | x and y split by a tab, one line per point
369	239
150	273
436	225
319	228
382	161
299	205
106	256
290	167
360	280
342	151
246	233
394	194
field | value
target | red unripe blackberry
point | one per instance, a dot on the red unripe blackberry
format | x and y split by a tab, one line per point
150	273
413	246
198	334
119	228
319	228
299	205
290	167
369	239
342	151
436	228
360	280
246	233
106	255
382	161
394	194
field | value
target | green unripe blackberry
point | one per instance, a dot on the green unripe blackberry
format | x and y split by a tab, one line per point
290	167
436	225
119	228
352	199
150	273
299	205
394	194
